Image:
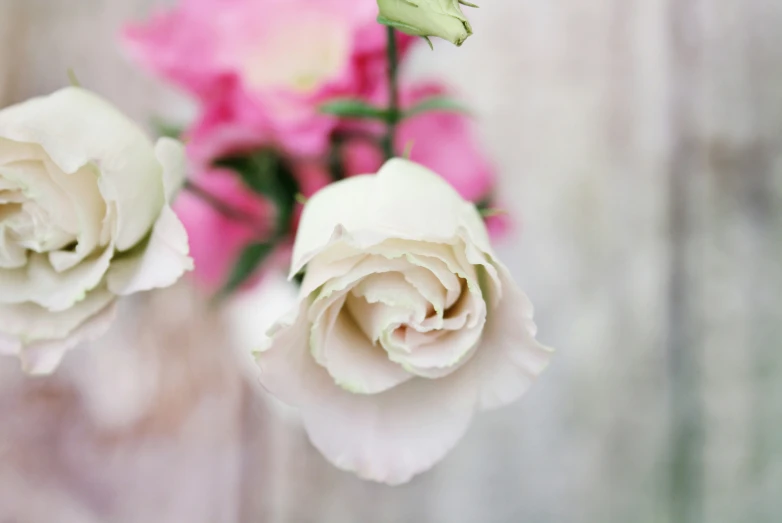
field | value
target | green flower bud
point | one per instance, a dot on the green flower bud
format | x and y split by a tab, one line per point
441	18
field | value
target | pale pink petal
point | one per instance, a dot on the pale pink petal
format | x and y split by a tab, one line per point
355	363
387	437
43	357
261	81
160	263
509	358
392	436
28	322
39	283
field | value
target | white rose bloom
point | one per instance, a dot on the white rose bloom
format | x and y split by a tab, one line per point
84	218
407	324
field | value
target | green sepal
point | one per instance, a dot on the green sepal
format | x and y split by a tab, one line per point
250	259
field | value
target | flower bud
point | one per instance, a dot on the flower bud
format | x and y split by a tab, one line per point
441	18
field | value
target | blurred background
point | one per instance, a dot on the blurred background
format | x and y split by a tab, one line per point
639	145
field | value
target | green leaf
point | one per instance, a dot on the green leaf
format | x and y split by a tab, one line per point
349	108
256	171
251	258
268	174
437	103
485	203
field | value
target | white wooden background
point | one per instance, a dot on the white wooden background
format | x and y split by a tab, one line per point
640	144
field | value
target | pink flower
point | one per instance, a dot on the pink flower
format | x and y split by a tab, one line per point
223	217
443	141
262	68
217	237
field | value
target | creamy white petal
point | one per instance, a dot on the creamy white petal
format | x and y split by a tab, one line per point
374	318
386	437
438	258
287	369
509	357
158	263
323	269
323	324
355	363
12	255
427	285
42	357
15	151
390	437
171	155
404	200
76	127
328	292
440	355
28	322
392	289
39	283
38	186
81	187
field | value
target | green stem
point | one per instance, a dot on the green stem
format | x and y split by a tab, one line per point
393	113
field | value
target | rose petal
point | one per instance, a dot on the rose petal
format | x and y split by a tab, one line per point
438	258
39	283
171	155
81	187
355	364
76	127
285	363
393	290
509	358
43	357
335	287
428	285
159	263
438	356
433	212
12	255
35	183
374	318
390	437
28	322
386	437
12	151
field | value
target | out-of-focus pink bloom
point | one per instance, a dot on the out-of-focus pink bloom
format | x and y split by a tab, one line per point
262	68
222	217
216	236
499	225
443	141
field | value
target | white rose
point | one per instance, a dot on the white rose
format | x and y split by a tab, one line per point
84	218
407	324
